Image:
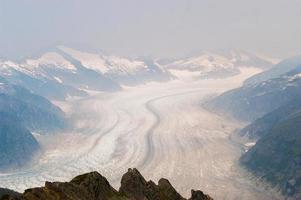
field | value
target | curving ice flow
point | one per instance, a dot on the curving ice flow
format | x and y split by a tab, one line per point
160	128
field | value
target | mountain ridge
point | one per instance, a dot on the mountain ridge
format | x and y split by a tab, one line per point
94	186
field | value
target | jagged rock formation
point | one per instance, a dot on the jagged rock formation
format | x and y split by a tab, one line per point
8	194
93	186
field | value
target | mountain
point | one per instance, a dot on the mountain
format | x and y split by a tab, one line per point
34	112
276	71
94	186
253	101
53	76
219	64
276	157
62	72
260	127
121	70
17	144
6	193
273	106
22	112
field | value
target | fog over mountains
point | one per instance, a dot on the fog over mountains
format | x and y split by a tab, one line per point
202	97
62	71
67	111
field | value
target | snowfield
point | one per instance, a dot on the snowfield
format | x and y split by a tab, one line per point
105	64
160	128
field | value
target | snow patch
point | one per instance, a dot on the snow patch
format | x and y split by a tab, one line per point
106	64
250	144
58	79
50	58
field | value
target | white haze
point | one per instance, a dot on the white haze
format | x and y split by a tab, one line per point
151	28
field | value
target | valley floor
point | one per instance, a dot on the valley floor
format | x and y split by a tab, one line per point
160	128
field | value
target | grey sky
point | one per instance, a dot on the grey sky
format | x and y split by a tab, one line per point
152	27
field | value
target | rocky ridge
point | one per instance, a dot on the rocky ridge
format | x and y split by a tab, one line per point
93	186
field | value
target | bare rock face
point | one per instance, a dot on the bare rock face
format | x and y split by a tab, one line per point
93	186
96	185
167	191
6	194
199	195
134	185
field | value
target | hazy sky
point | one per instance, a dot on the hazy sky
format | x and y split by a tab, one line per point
152	27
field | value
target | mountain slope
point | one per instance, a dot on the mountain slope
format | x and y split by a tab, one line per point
55	75
34	112
22	112
218	64
276	71
122	70
274	108
94	186
85	77
17	145
276	157
263	125
251	102
34	79
62	72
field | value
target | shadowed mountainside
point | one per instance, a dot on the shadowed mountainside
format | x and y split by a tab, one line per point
21	113
276	157
271	102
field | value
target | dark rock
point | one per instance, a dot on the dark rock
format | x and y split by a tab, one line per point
133	184
199	195
168	191
6	194
93	186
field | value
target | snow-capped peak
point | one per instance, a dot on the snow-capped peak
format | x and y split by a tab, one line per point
89	60
105	64
51	58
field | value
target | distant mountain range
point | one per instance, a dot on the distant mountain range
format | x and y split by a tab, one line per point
62	72
219	64
119	69
93	186
271	102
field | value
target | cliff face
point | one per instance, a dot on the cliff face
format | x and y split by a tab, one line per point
276	157
93	186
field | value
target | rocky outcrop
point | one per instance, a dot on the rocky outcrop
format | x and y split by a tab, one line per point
199	195
93	186
133	185
6	194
